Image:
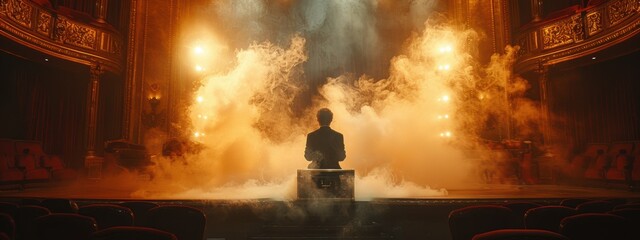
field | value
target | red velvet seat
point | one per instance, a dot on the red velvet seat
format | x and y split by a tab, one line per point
519	209
573	202
631	214
68	226
58	171
464	223
108	215
9	208
8	171
547	217
132	233
620	158
60	205
627	206
579	163
187	223
519	234
595	207
595	226
25	220
140	210
7	225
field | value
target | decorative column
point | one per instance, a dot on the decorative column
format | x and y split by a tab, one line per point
536	10
92	162
101	10
543	70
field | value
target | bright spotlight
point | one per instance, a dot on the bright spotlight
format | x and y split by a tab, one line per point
198	50
446	134
199	68
199	99
196	134
444	98
445	49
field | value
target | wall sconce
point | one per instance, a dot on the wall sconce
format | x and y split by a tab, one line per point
153	118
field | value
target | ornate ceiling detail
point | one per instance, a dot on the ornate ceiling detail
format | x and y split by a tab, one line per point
52	33
577	35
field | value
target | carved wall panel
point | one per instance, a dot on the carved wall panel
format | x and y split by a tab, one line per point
20	12
44	23
76	34
578	34
594	22
53	33
564	32
619	10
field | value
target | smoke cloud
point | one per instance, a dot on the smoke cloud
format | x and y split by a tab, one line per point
404	132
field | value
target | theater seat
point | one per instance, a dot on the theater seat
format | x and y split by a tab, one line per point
519	234
60	205
519	209
187	223
58	171
8	171
9	208
7	225
595	226
547	217
25	220
573	202
464	223
68	226
108	215
132	233
595	207
140	210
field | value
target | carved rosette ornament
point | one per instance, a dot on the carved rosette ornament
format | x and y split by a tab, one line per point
20	12
44	23
620	10
594	23
76	34
569	30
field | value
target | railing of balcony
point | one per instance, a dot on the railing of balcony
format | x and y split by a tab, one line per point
576	32
62	32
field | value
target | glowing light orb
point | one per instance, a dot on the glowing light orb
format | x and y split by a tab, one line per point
444	98
199	99
445	49
199	68
198	50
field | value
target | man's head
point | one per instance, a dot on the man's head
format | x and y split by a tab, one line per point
325	116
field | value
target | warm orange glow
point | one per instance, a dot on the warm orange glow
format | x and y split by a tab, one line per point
198	50
199	68
200	99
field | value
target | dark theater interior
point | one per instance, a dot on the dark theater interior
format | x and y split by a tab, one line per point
319	119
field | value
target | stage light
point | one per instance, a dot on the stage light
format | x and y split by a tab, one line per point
444	98
446	134
199	68
199	99
445	49
198	50
196	134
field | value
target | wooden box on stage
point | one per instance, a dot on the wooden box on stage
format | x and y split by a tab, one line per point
325	183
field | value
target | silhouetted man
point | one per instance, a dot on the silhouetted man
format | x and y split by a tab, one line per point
325	147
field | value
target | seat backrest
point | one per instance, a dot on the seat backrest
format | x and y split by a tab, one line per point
628	206
108	215
631	214
7	225
592	150
547	217
132	233
187	223
595	226
519	209
519	234
140	210
596	206
67	226
466	222
34	147
60	205
9	208
573	202
25	220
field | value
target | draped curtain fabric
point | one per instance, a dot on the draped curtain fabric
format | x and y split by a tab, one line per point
44	104
598	103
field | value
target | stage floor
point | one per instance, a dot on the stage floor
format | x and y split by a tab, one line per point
98	190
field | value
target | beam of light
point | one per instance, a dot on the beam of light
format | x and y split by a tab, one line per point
198	50
199	68
200	99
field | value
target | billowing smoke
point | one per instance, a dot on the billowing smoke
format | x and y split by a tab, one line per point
404	132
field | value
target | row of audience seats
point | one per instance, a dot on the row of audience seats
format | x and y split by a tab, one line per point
618	161
54	219
573	219
25	161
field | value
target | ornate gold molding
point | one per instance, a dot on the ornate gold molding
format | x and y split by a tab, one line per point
52	33
577	35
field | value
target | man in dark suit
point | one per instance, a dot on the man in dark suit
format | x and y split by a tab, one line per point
325	146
